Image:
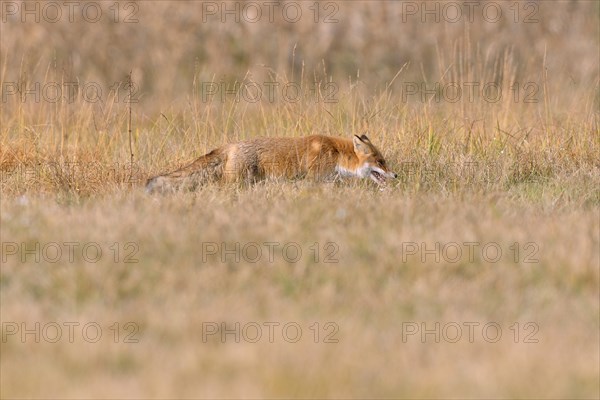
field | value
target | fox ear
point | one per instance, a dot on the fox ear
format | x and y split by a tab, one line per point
360	146
364	138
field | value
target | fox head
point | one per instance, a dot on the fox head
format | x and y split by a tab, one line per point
370	161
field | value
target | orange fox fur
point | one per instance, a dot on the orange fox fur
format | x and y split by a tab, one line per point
316	156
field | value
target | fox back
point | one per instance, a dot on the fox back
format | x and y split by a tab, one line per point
318	157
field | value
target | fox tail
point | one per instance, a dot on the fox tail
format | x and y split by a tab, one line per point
205	169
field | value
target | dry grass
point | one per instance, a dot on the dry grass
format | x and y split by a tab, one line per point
369	294
495	173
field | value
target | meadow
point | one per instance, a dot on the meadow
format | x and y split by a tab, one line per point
475	274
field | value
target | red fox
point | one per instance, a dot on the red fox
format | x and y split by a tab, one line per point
317	157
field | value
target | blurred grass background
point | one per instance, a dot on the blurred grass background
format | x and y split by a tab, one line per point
541	56
173	44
